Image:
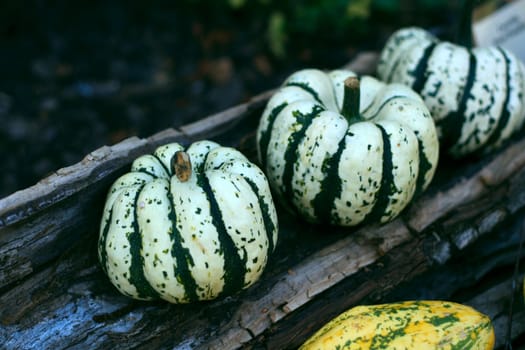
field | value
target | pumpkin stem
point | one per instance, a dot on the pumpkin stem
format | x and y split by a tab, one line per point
350	109
181	165
464	29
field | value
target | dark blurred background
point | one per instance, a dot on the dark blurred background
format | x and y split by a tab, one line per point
77	75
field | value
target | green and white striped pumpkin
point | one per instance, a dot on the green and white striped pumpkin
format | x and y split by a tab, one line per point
475	95
343	150
187	225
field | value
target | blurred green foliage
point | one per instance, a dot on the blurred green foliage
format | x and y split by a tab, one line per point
285	22
321	18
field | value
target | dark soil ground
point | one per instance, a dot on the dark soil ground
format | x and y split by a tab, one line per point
77	75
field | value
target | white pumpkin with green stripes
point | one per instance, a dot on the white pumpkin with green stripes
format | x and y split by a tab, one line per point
187	225
345	150
475	95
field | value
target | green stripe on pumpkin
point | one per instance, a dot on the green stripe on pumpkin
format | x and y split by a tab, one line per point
166	169
424	167
387	186
266	135
308	89
146	171
420	72
424	164
331	187
234	265
504	117
182	257
136	269
291	155
103	253
269	225
451	133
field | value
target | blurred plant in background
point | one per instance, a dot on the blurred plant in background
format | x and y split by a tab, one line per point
289	24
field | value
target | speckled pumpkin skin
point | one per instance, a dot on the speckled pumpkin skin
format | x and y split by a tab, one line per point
331	170
476	96
207	237
411	325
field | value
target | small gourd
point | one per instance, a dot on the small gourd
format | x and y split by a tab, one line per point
410	325
187	225
346	150
475	95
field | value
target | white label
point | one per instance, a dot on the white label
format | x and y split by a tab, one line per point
505	27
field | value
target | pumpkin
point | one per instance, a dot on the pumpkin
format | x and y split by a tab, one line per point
346	150
416	325
187	225
475	95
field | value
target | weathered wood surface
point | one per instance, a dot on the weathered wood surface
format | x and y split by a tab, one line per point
54	295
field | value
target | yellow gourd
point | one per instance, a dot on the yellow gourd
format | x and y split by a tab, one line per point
417	325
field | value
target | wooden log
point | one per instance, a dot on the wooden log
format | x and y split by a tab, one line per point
366	265
54	295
